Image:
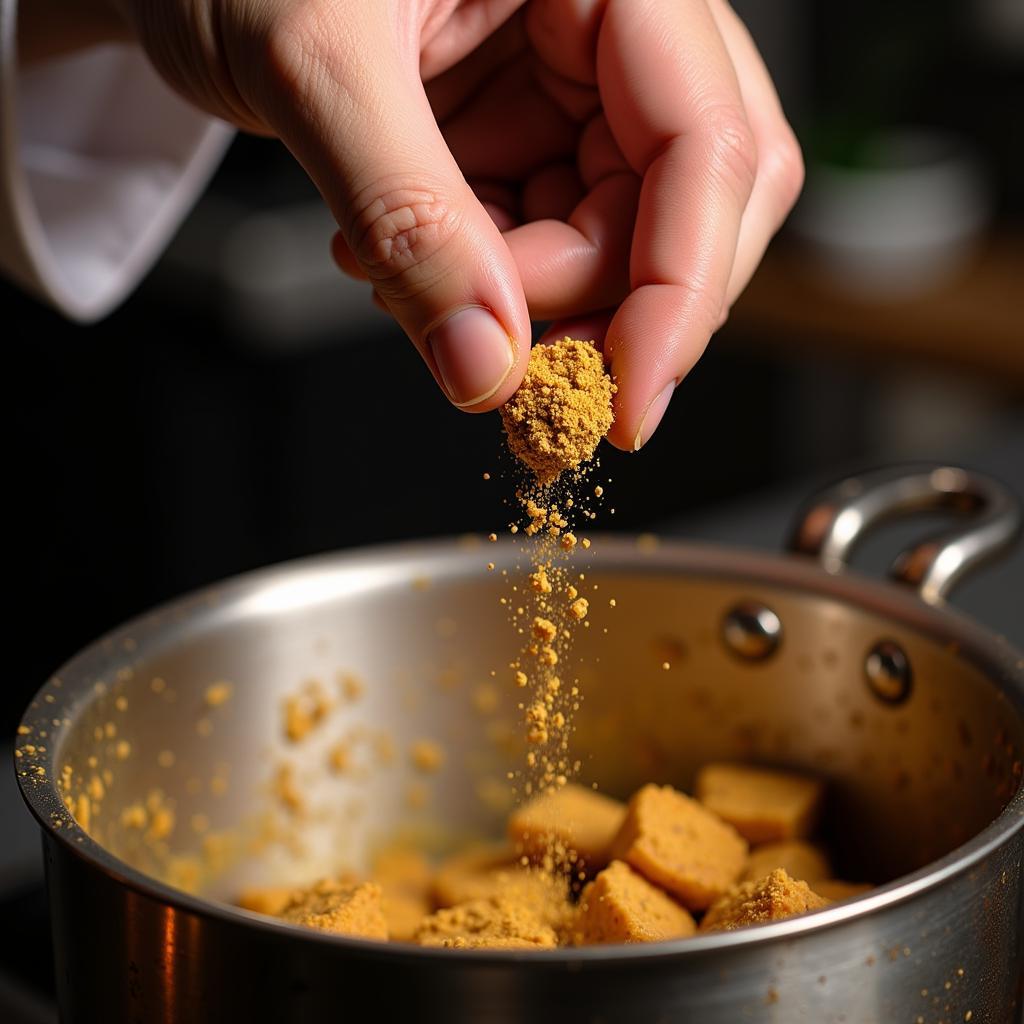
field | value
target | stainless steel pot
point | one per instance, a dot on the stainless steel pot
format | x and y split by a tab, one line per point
913	713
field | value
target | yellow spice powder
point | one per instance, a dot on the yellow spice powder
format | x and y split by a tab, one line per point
562	409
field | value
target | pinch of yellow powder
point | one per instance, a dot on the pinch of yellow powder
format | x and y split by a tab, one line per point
562	409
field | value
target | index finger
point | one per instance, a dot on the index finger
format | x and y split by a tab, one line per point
673	103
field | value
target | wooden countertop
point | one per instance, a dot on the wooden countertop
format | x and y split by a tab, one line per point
975	320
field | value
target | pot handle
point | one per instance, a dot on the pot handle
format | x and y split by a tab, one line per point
837	518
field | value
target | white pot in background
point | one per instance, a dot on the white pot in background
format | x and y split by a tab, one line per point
904	223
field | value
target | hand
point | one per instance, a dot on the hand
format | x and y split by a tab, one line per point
618	166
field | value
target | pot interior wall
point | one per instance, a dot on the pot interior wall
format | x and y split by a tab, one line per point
212	796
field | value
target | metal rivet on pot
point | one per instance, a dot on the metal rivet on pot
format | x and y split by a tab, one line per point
887	670
752	631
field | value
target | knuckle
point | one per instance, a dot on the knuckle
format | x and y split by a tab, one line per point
293	41
401	236
732	149
783	166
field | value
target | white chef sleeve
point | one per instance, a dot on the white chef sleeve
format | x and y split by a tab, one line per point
99	163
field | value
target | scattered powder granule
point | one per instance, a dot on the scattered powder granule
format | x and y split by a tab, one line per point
217	694
548	655
161	823
562	408
536	719
486	698
579	608
339	757
763	805
83	811
622	906
287	791
134	816
544	629
539	580
351	686
340	907
427	756
770	899
305	710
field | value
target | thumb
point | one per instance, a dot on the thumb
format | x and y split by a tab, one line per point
351	106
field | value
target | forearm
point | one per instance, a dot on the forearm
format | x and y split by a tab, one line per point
54	28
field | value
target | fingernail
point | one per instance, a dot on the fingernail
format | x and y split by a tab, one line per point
473	354
653	416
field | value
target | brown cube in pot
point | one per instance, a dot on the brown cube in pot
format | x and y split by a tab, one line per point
679	845
570	825
340	907
764	805
620	905
772	898
492	923
799	859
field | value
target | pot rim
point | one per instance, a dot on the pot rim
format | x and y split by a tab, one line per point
71	689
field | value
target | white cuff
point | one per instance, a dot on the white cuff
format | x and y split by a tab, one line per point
99	163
